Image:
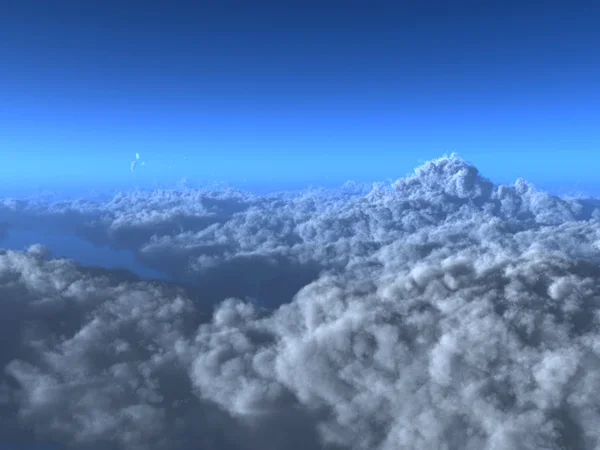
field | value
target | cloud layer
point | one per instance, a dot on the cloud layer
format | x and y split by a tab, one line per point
440	312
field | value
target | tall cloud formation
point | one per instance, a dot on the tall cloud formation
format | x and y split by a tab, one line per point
440	312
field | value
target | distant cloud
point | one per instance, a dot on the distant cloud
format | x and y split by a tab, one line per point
440	312
136	162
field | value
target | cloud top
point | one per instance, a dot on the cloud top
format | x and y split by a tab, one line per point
440	312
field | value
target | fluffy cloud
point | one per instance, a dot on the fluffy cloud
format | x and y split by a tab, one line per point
440	312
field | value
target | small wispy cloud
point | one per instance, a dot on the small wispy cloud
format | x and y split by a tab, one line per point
136	162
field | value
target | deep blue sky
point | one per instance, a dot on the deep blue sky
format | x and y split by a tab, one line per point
296	90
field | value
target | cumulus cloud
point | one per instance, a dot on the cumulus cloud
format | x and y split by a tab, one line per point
93	361
440	312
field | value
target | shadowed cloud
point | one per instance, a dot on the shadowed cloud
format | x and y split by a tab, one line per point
440	312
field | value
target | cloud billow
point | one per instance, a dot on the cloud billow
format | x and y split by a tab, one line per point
440	312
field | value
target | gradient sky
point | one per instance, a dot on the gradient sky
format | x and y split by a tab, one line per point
296	91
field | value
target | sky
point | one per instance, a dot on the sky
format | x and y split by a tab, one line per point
295	93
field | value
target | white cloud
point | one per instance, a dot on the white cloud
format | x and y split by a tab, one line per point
441	312
136	162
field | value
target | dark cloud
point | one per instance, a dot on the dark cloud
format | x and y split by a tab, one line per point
440	312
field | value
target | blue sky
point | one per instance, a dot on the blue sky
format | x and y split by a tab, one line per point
296	92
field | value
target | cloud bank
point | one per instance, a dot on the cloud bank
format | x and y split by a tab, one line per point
440	312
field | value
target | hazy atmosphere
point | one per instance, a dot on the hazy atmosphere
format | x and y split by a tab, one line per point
334	225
